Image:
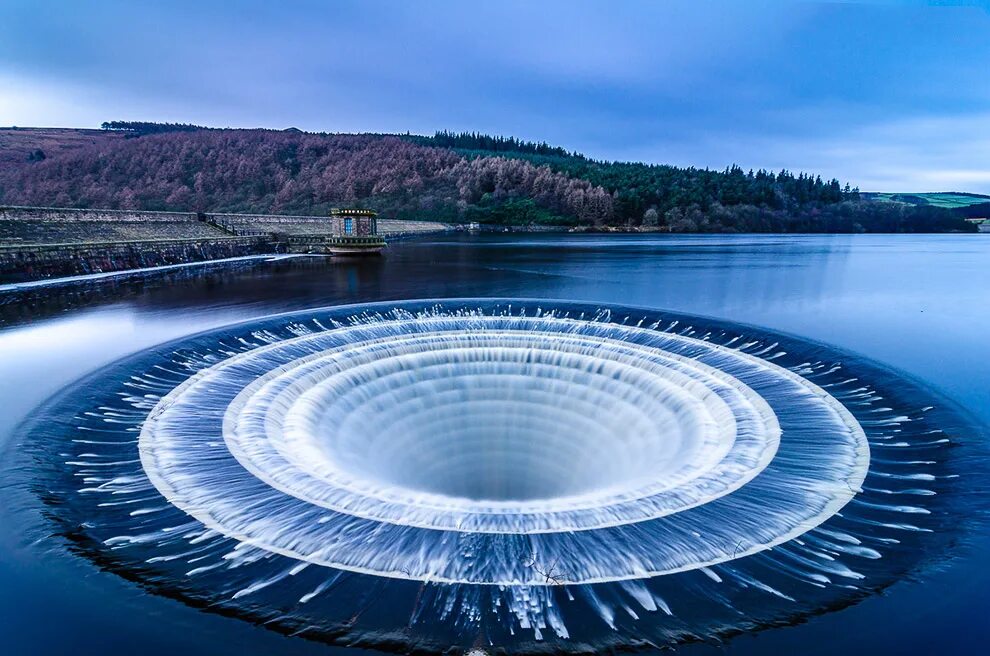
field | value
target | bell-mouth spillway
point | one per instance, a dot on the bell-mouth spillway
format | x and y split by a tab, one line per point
506	468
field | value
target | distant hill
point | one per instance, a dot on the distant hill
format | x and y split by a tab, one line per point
946	199
25	145
452	177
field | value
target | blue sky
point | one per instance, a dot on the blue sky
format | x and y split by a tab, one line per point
887	95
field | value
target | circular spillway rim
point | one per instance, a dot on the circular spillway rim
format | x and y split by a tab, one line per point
853	481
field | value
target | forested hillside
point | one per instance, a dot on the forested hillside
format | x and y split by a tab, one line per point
447	177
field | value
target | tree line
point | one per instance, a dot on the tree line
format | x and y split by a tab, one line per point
488	143
148	127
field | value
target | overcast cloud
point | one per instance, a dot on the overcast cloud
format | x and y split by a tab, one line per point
887	95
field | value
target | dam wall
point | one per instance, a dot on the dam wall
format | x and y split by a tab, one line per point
73	214
314	225
46	225
37	261
34	225
47	242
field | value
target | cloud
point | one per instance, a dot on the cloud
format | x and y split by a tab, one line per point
865	92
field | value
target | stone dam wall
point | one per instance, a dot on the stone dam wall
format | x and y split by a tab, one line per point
59	260
40	242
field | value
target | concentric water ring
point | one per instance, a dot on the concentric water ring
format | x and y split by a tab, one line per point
528	464
686	434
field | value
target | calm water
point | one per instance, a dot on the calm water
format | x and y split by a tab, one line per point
921	303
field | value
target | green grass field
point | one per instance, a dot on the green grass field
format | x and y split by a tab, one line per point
947	199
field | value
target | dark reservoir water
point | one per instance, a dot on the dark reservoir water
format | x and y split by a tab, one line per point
919	303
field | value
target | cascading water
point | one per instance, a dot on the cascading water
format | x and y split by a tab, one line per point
501	473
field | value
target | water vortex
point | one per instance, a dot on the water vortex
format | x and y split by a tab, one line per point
432	473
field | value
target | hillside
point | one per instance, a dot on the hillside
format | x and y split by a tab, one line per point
447	177
25	145
946	199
